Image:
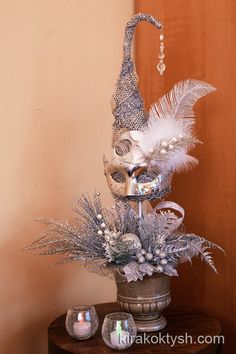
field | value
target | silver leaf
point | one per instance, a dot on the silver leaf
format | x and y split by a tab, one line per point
132	272
147	269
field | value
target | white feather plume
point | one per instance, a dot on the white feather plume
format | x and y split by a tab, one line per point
168	135
181	161
178	103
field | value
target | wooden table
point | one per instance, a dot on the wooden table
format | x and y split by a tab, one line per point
180	321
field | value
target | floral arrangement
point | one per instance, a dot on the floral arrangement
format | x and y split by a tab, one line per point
132	240
117	242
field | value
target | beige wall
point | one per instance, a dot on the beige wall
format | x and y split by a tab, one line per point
58	65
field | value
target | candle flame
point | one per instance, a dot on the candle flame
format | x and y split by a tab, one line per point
118	328
80	317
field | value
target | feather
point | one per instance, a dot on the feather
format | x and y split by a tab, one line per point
178	103
180	161
159	129
168	135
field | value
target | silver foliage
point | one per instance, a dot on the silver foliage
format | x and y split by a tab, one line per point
97	237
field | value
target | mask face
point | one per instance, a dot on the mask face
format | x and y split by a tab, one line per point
127	173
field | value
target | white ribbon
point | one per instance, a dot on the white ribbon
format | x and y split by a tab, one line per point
175	207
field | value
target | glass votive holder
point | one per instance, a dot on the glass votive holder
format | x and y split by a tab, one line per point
119	330
82	321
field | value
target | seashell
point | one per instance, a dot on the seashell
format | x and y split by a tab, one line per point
122	147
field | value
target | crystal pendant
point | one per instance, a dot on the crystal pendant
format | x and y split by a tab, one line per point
161	56
161	67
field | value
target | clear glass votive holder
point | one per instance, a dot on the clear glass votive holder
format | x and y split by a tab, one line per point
119	330
81	321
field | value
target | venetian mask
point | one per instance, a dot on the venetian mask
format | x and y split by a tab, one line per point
128	173
148	147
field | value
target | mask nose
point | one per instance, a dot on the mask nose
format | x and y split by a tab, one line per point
131	171
131	186
132	181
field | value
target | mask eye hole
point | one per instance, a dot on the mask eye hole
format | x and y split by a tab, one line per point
147	176
118	177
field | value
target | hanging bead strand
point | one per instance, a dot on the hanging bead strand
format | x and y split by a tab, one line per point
161	65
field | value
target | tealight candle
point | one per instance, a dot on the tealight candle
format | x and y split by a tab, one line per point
81	321
119	330
119	340
119	337
81	327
